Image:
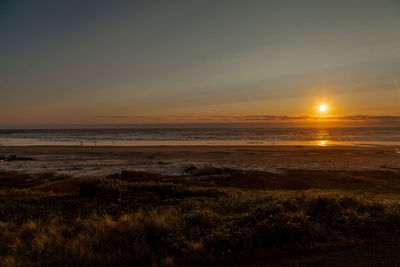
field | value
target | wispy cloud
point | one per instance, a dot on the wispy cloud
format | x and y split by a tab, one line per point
130	118
365	118
370	118
278	120
112	117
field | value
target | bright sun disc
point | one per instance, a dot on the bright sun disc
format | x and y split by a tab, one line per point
323	108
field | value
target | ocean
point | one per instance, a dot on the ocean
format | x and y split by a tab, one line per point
202	136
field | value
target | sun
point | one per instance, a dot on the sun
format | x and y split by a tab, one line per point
323	108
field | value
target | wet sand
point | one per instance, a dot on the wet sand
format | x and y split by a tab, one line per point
98	161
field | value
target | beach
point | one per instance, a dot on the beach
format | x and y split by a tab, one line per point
229	205
91	161
196	205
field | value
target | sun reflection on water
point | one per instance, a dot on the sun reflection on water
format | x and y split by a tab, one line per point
322	143
322	137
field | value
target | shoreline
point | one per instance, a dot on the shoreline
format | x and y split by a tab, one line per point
219	143
341	145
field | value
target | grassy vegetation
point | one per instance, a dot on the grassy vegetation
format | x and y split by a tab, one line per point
213	216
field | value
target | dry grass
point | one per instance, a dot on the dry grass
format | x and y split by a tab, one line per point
158	223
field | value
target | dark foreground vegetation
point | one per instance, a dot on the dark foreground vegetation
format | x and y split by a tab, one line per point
211	216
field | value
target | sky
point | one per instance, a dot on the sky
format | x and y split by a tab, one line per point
126	62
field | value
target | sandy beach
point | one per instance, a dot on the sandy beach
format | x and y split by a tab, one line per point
172	160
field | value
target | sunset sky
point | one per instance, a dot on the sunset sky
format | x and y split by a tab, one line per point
117	62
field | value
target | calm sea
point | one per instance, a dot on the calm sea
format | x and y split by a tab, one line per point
203	136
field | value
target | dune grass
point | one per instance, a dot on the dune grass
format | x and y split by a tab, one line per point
153	220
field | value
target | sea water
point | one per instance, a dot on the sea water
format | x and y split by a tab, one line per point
202	136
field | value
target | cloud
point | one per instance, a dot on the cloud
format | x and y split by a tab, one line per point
366	118
112	117
370	118
248	120
131	118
